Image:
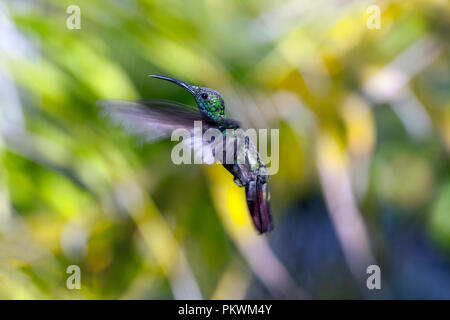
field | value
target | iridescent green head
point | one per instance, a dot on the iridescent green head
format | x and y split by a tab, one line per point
209	102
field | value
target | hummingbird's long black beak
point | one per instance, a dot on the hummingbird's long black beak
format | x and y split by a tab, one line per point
178	82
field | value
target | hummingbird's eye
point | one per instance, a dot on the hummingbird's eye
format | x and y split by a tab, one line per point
204	96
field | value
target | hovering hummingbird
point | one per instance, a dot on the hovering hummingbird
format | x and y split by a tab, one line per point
157	119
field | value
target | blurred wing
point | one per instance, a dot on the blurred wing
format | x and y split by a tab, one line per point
154	120
151	119
205	149
232	148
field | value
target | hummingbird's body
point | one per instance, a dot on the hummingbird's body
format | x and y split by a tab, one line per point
250	172
156	119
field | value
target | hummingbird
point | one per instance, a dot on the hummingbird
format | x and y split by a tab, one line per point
156	119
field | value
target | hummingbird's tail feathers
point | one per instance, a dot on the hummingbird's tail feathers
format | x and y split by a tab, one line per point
258	200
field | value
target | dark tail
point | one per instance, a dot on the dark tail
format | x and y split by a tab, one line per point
258	200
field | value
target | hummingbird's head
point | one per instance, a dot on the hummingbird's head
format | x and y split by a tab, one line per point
209	101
